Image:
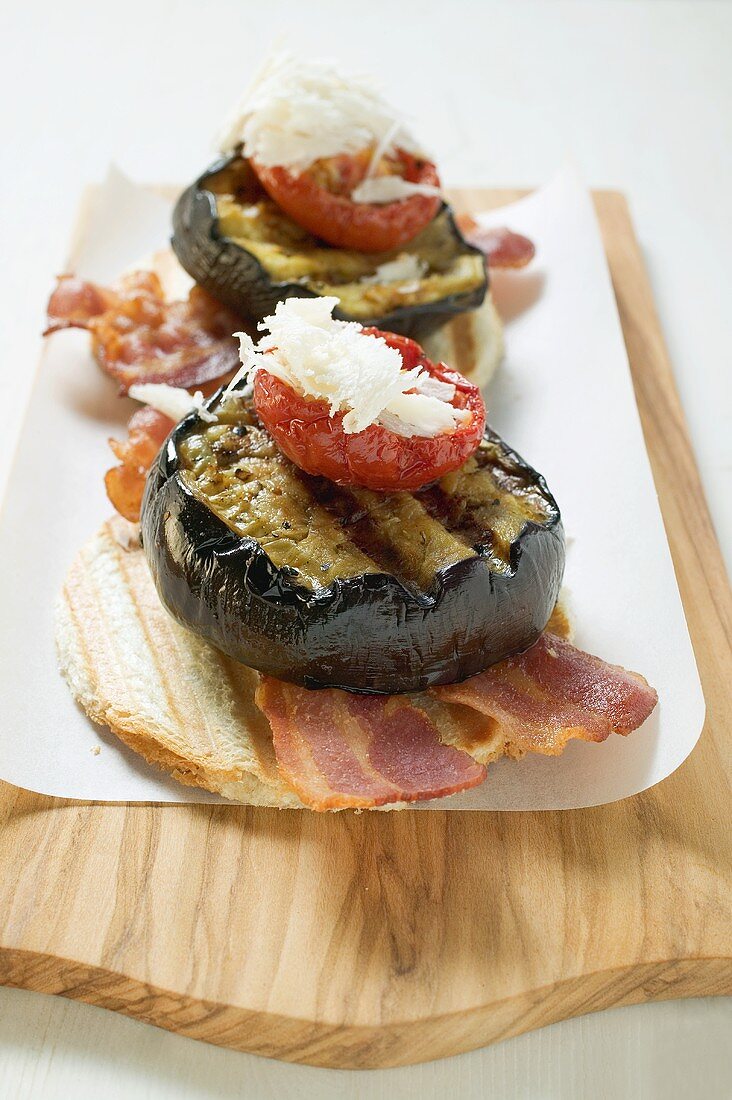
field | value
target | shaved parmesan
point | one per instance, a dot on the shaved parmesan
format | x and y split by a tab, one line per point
171	401
297	112
358	375
382	189
382	147
405	268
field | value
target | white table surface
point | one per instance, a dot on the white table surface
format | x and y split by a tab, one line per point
640	95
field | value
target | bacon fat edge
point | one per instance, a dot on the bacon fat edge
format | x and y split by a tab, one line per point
339	750
502	247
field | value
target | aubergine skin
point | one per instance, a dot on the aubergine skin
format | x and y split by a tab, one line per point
368	633
236	278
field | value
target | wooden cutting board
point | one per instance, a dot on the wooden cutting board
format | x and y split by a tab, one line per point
383	939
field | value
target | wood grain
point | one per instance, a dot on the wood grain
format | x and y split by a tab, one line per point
376	940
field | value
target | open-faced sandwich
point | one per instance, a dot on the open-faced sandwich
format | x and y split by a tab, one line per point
322	190
346	590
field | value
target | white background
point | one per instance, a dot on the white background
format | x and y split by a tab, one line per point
640	94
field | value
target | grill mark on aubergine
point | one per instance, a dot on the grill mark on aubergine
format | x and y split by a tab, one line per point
286	496
491	519
407	535
450	510
458	517
395	531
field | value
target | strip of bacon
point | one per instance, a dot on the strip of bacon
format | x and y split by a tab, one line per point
502	247
139	337
339	750
125	484
553	692
74	302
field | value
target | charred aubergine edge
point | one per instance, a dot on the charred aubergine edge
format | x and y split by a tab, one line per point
376	630
224	267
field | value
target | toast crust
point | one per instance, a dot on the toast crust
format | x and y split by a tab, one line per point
166	693
471	343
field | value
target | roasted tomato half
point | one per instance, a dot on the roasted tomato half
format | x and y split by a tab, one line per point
375	458
319	199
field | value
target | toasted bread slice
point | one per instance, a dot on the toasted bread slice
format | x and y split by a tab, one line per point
471	343
165	692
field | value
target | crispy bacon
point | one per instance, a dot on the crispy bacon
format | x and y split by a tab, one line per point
339	750
502	247
74	302
139	337
125	484
553	692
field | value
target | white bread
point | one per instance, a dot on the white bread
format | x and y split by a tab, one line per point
164	691
472	343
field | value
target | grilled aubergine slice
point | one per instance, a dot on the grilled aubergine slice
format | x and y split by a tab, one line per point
240	247
327	586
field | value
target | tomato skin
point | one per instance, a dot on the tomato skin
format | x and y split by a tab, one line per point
334	218
375	458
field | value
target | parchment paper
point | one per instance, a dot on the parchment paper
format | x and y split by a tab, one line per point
563	398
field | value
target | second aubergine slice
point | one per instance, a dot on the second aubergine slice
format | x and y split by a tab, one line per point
240	247
329	586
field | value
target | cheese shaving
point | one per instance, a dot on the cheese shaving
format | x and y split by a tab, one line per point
405	268
297	112
358	375
171	401
383	189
